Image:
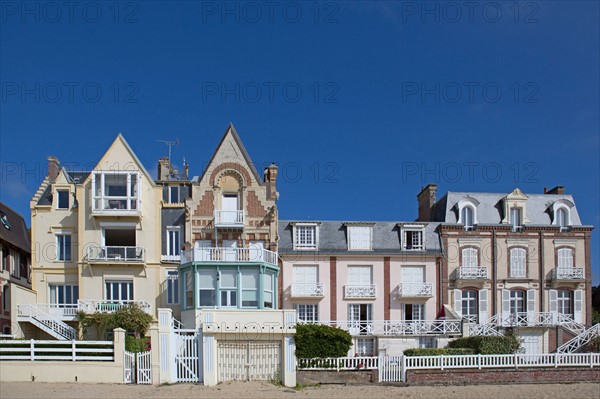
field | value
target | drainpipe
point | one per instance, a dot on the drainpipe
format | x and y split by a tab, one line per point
542	277
494	279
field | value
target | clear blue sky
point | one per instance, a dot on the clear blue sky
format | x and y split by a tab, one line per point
359	103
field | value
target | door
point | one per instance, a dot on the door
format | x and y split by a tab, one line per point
230	250
531	345
413	278
229	208
248	360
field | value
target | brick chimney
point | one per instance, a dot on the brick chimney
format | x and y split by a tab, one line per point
270	174
53	168
556	190
164	169
426	200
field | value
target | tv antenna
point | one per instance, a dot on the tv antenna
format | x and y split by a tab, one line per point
169	143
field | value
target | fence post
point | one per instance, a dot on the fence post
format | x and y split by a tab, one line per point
441	362
118	346
479	361
555	360
32	349
515	360
403	371
73	352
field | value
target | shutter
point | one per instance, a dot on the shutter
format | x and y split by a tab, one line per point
578	308
299	275
531	306
483	306
553	305
458	302
505	307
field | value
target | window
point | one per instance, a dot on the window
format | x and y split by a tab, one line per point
172	287
467	217
359	317
250	288
414	312
360	237
413	240
517	302
207	287
15	262
562	218
115	191
305	236
119	290
516	218
5	298
360	275
469	306
365	347
307	313
63	247
173	241
517	262
63	199
268	279
565	258
565	302
4	220
174	194
228	282
5	258
189	289
62	295
469	257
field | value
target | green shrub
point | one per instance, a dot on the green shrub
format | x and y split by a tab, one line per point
437	351
488	345
313	340
135	345
595	316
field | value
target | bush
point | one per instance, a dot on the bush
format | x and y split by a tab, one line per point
438	351
488	345
135	345
595	316
313	340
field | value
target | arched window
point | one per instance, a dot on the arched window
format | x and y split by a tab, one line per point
565	258
562	218
467	217
517	262
469	257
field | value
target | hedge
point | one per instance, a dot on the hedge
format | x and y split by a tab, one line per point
135	345
438	351
488	345
313	340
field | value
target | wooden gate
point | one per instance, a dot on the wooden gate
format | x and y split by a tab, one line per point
248	360
137	368
390	369
187	358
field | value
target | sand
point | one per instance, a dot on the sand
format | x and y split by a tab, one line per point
239	390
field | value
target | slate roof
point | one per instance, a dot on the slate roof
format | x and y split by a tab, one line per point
17	235
333	237
490	209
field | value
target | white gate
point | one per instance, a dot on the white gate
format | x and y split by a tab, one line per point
187	358
390	368
137	368
248	360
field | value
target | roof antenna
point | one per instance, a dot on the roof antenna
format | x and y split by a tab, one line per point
169	143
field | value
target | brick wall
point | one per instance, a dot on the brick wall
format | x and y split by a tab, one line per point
502	376
313	377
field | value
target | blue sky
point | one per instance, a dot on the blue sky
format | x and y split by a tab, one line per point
360	103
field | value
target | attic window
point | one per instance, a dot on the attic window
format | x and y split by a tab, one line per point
360	237
413	238
4	220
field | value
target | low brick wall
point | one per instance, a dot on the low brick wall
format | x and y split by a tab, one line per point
502	376
313	377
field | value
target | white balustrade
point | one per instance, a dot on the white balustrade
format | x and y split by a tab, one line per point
360	291
307	290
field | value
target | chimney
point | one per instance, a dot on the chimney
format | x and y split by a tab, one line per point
556	190
53	168
186	170
270	174
164	168
426	200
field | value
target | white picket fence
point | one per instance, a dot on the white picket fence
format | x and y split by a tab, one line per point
339	363
56	350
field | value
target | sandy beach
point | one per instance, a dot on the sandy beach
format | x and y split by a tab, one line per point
263	390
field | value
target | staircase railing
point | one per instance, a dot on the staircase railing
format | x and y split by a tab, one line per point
580	340
60	328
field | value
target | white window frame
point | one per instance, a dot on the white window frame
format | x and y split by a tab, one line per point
172	287
54	298
469	257
565	258
246	289
569	300
307	312
15	263
128	197
364	346
312	242
266	289
419	246
228	290
518	255
128	294
352	269
213	288
59	247
58	192
471	204
470	302
171	250
417	311
517	225
353	242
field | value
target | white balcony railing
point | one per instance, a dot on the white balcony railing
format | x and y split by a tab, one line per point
110	306
568	273
229	255
395	327
408	290
229	218
471	273
360	291
116	254
307	290
61	311
170	258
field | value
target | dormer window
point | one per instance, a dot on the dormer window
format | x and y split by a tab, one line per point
63	199
413	238
467	212
516	219
562	220
562	214
306	236
360	238
4	220
467	217
174	194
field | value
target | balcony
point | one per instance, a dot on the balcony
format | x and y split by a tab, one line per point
229	219
415	290
170	258
568	273
396	327
115	193
110	306
56	311
471	273
234	255
360	291
116	206
115	254
309	290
